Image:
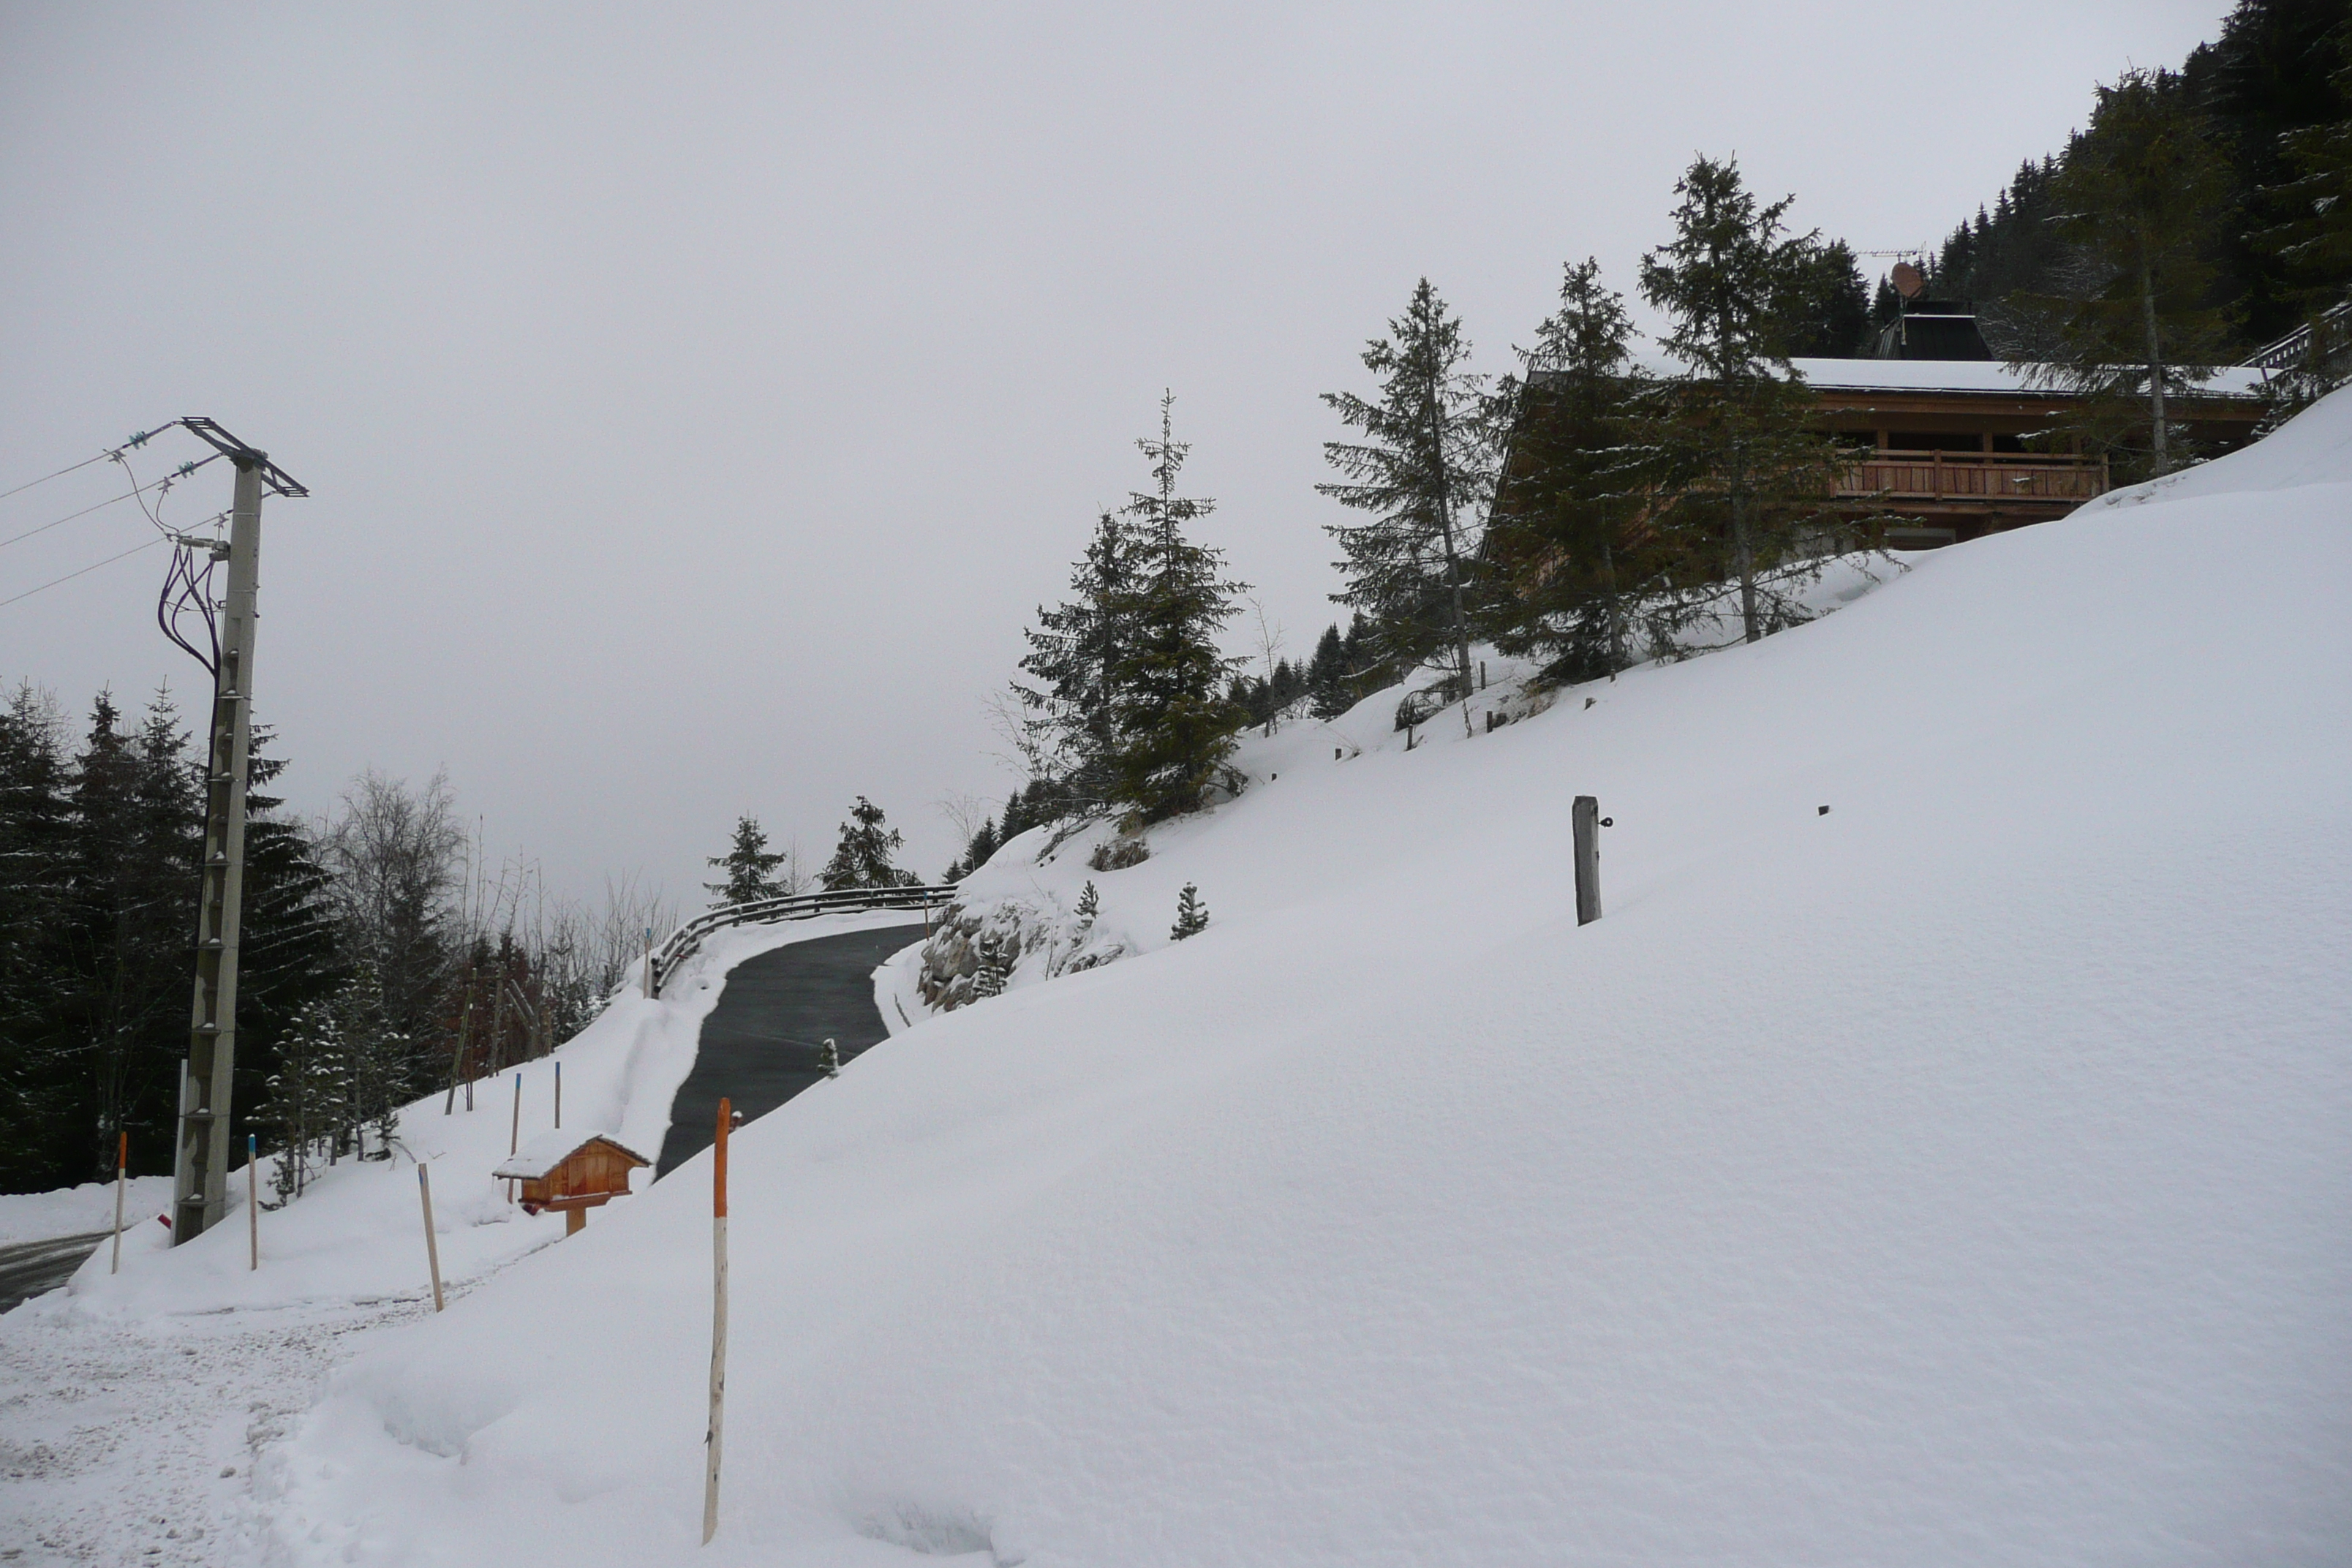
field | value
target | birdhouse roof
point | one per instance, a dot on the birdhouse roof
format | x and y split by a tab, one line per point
543	1154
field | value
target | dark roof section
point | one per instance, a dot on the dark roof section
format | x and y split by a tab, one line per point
1932	329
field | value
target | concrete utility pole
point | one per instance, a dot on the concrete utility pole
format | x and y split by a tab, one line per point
200	1161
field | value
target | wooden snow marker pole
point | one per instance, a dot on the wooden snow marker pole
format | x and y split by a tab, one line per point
432	1247
559	1094
122	1170
252	1203
1584	816
718	1322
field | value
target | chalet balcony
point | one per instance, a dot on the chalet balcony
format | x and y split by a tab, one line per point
1968	480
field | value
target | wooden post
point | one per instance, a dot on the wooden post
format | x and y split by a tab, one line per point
1585	817
559	1094
514	1133
649	978
122	1172
252	1203
718	1322
432	1246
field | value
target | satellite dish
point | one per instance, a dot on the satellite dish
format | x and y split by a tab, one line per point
1908	280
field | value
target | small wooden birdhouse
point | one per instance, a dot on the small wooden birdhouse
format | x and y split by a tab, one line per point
574	1172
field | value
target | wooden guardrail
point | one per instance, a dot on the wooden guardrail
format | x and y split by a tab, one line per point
1967	476
686	940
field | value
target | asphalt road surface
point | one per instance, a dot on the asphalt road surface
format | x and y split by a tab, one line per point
760	1046
30	1267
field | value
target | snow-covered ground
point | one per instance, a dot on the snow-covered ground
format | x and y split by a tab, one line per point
1960	1174
132	1404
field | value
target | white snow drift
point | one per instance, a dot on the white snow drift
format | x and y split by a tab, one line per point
1961	1175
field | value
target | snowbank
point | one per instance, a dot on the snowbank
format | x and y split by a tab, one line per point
1962	1173
356	1233
78	1211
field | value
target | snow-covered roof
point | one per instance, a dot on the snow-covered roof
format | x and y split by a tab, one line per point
535	1159
1977	376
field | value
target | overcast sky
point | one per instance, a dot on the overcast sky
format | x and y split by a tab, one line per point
697	400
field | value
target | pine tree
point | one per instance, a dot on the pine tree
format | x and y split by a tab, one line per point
1568	538
750	865
1173	725
1329	690
1090	906
1737	474
1821	308
1076	652
36	1070
1191	914
1420	475
2139	197
862	859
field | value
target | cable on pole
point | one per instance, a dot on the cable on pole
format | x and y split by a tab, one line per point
144	544
182	472
141	439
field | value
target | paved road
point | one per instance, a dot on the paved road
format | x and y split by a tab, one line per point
760	1045
29	1268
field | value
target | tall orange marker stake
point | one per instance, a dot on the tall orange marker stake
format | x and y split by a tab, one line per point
252	1202
718	1324
432	1247
121	1168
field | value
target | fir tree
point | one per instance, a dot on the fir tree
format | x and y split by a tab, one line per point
1075	653
2139	197
1090	906
1822	308
1191	914
1329	689
750	865
1420	475
36	1094
1737	473
862	859
1566	537
1173	726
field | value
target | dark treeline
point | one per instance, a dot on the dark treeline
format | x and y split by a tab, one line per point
380	959
2259	183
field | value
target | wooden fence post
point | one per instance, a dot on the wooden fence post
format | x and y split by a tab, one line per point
717	1324
252	1202
514	1133
432	1246
122	1170
559	1094
1585	817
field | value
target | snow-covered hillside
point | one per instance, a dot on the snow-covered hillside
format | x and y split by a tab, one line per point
1961	1175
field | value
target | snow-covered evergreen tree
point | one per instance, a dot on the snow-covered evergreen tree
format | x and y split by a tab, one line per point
1737	474
1075	653
1172	722
1566	539
1090	906
1191	914
863	857
1420	474
750	865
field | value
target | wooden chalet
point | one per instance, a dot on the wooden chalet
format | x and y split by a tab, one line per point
572	1172
1956	443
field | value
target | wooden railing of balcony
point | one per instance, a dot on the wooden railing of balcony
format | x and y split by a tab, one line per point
1988	477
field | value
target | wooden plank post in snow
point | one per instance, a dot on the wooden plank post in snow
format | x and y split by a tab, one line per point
559	1094
718	1322
122	1171
432	1246
1585	817
252	1203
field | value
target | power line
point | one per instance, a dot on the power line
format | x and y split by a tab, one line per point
182	471
141	439
144	544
